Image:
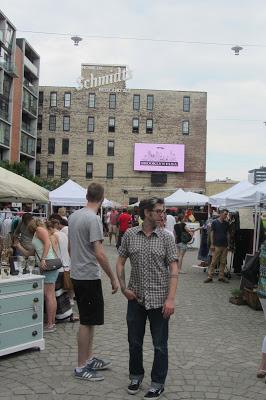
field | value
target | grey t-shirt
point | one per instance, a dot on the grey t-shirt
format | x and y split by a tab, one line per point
84	228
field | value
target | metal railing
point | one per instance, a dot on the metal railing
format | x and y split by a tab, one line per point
9	67
30	86
30	108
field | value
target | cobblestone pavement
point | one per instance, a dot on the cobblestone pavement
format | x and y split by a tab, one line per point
214	349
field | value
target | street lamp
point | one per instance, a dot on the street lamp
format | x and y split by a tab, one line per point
237	49
76	40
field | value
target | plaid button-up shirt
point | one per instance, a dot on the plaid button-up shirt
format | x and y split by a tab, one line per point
150	257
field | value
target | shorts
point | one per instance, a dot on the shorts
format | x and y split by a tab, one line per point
89	297
50	276
182	247
112	229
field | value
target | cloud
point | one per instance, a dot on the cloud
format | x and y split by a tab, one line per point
235	85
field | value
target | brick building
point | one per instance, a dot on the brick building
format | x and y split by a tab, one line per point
90	134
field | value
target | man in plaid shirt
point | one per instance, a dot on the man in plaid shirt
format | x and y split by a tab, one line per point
150	292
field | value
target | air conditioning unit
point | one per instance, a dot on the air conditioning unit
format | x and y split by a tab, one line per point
158	178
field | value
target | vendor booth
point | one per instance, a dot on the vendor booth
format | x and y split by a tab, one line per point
182	198
219	199
188	199
20	295
16	188
68	194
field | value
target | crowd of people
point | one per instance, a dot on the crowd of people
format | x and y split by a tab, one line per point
155	240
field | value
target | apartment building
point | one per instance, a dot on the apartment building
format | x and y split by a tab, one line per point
19	80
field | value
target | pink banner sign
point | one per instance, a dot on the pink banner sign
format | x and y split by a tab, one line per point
159	157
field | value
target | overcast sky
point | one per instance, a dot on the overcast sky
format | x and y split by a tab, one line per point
236	85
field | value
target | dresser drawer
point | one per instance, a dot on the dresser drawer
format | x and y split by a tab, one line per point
20	336
29	301
21	286
19	319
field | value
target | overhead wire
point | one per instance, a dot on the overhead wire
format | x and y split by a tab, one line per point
147	39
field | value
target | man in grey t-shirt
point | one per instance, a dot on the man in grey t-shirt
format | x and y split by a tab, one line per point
87	256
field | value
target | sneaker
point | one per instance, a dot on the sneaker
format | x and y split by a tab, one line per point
49	329
208	280
88	374
97	364
154	393
223	280
134	386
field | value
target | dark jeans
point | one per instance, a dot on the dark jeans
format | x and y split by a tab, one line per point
136	321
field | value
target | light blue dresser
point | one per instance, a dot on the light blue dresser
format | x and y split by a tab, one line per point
21	313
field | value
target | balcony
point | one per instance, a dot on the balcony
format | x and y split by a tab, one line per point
33	89
4	134
32	109
26	127
27	145
9	67
31	66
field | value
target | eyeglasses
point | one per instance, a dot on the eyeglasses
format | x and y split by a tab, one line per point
158	211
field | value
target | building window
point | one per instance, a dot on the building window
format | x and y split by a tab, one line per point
65	146
112	101
39	146
111	124
40	98
111	148
150	102
39	124
90	147
64	169
50	168
38	168
136	102
66	123
185	127
67	99
52	122
110	171
135	125
149	125
51	146
186	103
89	170
91	124
92	100
53	99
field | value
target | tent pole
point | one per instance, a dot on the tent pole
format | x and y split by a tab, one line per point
258	228
255	228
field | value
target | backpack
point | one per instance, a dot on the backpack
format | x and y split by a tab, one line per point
185	237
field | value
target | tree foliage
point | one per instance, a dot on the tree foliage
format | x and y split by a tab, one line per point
20	168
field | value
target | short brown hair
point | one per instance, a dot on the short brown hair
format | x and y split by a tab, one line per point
95	193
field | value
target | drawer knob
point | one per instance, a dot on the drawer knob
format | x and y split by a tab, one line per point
35	285
35	299
34	316
34	333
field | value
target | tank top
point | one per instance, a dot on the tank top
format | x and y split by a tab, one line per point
38	247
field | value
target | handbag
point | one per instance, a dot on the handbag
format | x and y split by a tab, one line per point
251	268
185	237
53	263
67	282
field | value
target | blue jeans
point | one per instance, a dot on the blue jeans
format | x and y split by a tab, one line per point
136	321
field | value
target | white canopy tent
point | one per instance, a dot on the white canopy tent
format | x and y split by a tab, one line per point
68	194
109	203
252	196
182	198
219	199
16	188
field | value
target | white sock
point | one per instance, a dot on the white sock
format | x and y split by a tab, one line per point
79	369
